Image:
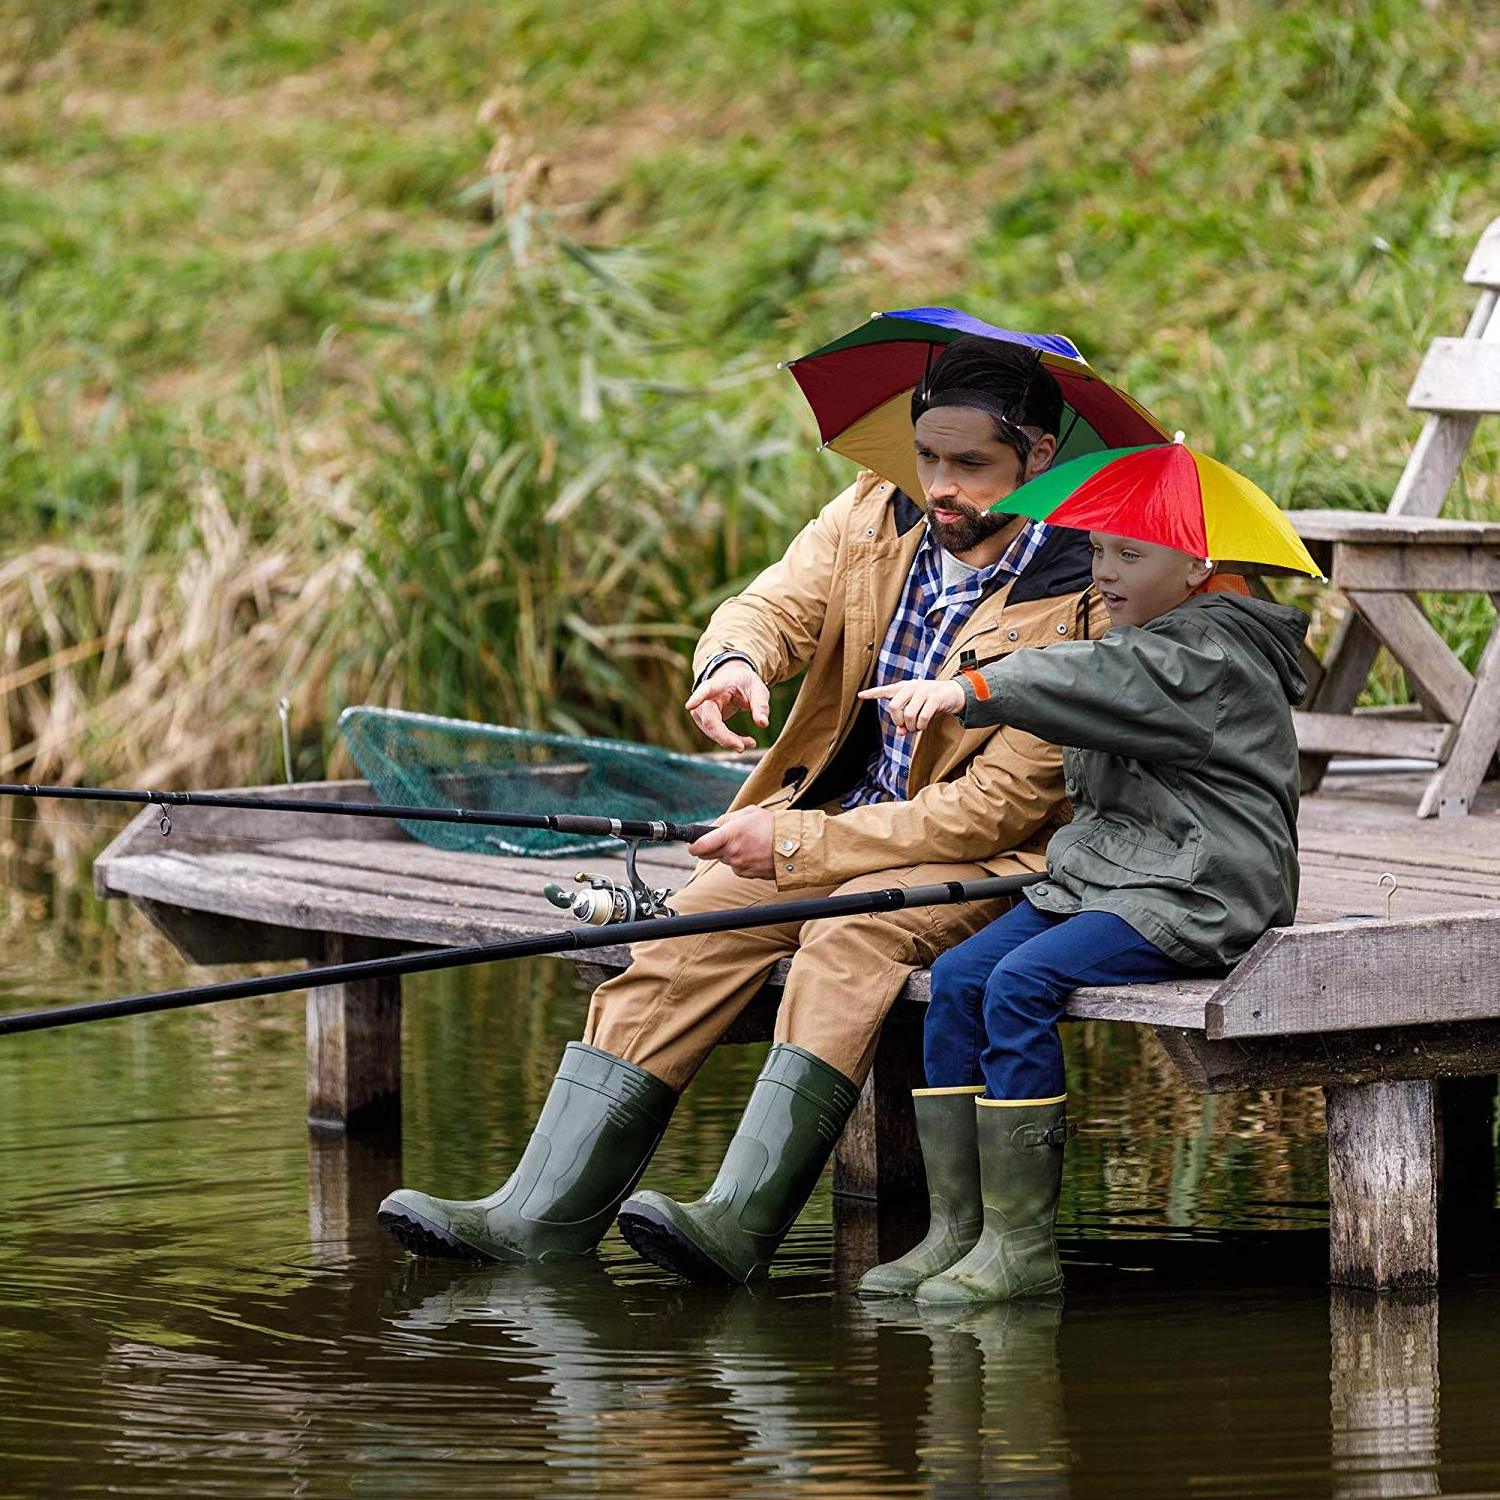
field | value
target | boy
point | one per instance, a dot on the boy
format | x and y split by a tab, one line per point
1181	762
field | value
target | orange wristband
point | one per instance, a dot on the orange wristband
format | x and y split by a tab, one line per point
980	686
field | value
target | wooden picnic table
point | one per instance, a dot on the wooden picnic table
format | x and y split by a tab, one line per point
1377	1012
1383	564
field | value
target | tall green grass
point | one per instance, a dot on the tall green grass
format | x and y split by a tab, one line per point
350	349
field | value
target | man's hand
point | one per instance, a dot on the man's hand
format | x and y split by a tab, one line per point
742	840
734	686
915	704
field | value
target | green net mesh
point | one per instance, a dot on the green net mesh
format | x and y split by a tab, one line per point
420	760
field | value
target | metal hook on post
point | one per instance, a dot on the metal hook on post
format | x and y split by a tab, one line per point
1390	891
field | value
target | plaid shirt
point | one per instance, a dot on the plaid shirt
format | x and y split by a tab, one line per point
921	634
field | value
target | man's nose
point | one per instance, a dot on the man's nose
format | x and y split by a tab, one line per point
944	483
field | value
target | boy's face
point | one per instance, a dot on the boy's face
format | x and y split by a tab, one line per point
1139	580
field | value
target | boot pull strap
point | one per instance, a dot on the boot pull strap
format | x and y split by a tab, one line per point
1056	1135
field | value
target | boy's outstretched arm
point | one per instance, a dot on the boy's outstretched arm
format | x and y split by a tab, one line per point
1133	692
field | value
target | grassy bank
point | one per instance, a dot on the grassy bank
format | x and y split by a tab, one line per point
355	350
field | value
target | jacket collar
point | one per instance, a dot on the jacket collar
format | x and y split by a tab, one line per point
1061	565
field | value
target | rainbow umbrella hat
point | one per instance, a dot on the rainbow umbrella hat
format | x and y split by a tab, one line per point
860	386
1170	495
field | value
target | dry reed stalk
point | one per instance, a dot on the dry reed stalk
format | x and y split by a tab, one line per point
169	668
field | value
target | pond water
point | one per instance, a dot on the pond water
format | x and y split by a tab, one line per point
194	1297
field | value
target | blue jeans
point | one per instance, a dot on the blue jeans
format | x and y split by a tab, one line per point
998	996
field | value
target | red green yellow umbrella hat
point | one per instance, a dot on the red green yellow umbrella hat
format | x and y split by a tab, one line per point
859	387
1170	495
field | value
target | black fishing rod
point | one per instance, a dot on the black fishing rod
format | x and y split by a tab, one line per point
604	901
570	940
641	830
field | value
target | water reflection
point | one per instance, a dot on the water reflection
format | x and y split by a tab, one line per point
994	1422
1384	1394
194	1297
347	1176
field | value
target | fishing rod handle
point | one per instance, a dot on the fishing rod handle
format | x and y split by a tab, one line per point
568	940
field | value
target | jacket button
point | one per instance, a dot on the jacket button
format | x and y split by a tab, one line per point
1062	629
869	531
1011	635
787	846
791	869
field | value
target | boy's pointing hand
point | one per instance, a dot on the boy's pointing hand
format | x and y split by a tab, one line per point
915	704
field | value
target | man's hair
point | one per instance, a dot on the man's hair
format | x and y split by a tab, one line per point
1006	380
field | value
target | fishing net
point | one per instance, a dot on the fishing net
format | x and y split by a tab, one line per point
420	760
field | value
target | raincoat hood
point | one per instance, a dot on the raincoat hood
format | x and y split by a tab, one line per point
1275	631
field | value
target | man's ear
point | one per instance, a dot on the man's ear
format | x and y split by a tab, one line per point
1200	570
1043	451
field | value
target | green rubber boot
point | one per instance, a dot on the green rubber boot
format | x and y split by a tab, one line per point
795	1114
950	1157
597	1130
1020	1176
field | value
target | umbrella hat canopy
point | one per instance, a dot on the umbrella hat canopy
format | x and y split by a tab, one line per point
1172	496
860	388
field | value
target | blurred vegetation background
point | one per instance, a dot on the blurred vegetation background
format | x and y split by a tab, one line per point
353	351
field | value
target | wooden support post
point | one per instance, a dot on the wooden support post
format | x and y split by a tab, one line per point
1383	1172
353	1046
877	1156
1383	1395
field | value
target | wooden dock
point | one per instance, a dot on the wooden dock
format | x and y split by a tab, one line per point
1397	1018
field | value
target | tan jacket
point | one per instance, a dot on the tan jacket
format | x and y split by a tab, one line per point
990	796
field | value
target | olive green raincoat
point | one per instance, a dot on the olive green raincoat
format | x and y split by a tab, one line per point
1181	763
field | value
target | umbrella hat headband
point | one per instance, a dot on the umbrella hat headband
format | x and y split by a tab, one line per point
1011	433
923	400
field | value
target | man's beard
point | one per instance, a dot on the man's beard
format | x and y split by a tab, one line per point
973	527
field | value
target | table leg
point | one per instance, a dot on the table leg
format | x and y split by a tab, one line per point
1451	791
1346	669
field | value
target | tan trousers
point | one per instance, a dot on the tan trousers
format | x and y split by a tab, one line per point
666	1012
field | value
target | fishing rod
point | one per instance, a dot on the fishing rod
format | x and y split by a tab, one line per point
566	940
646	831
604	900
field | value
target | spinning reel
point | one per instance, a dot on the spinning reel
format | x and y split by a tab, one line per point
605	901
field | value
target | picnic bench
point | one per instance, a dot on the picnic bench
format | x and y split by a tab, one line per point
1393	1017
1383	563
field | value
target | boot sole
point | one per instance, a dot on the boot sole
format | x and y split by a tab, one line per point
654	1237
422	1237
886	1293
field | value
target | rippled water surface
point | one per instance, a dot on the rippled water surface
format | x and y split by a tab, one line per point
194	1298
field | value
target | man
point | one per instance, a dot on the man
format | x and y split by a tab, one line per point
872	591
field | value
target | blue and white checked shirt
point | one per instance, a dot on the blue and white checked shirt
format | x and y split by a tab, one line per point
921	634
